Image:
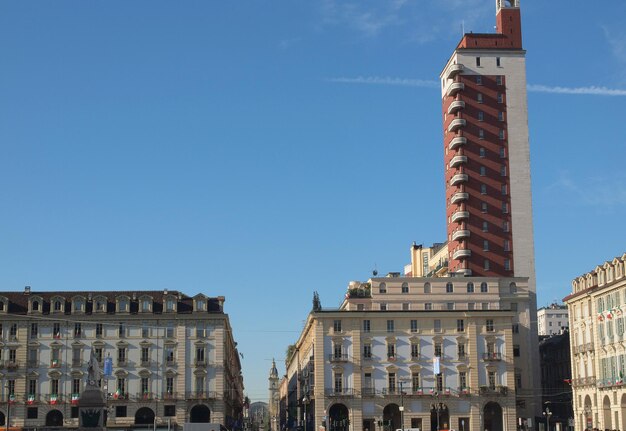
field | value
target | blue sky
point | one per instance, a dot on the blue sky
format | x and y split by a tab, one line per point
265	150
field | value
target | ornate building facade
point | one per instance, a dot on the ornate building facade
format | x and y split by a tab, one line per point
597	339
169	358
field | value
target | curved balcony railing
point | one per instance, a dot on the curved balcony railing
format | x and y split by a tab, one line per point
454	88
454	70
455	106
458	160
458	179
457	142
459	234
456	124
459	197
460	215
461	253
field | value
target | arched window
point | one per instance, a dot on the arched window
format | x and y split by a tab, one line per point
57	305
2	308
427	288
405	287
35	306
382	288
449	287
513	288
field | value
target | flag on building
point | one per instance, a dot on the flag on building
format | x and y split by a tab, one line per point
75	399
30	399
117	394
53	399
12	399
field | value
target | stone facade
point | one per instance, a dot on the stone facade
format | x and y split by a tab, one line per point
173	357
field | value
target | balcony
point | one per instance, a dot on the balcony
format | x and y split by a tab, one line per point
201	395
454	88
55	363
458	179
32	363
144	396
146	363
458	160
464	391
456	124
77	363
457	142
461	253
454	70
456	106
339	392
494	390
122	363
31	399
368	392
492	356
54	399
11	365
459	215
170	362
200	362
459	234
464	272
459	197
169	395
338	357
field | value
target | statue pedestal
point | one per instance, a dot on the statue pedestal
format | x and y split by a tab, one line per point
92	409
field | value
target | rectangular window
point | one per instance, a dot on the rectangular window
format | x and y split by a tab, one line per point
516	350
485	245
500	98
501	134
76	386
489	325
491	379
405	306
413	325
428	306
450	305
505	208
120	411
486	265
32	413
383	307
415	381
121	355
121	330
200	354
367	351
499	80
169	410
515	328
481	152
145	355
462	379
479	98
415	351
34	330
145	331
483	189
77	330
483	171
503	190
507	264
99	330
481	115
76	356
461	351
498	61
439	382
460	325
437	325
390	325
391	351
479	80
366	326
169	330
32	387
506	227
338	383
500	116
483	207
145	385
54	386
485	226
337	326
169	385
98	352
449	288
56	330
481	134
507	245
478	61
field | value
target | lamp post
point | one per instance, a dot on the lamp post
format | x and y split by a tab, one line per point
547	413
8	418
305	402
438	407
401	383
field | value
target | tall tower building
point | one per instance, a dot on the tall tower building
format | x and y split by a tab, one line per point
487	172
487	162
273	397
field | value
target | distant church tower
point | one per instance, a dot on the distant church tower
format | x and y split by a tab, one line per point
273	398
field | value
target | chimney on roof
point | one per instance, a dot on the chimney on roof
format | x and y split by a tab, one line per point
26	290
220	301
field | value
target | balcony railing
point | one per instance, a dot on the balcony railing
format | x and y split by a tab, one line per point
454	88
169	395
32	399
54	399
462	252
122	362
77	363
170	362
494	390
339	392
201	395
454	70
459	215
492	356
459	197
200	362
11	365
338	357
457	142
464	391
32	363
144	396
458	160
460	233
458	179
146	362
455	124
455	106
368	392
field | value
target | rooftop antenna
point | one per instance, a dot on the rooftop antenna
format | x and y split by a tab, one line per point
462	28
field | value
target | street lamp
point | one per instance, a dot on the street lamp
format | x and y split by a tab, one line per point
438	407
8	418
305	402
547	413
401	405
